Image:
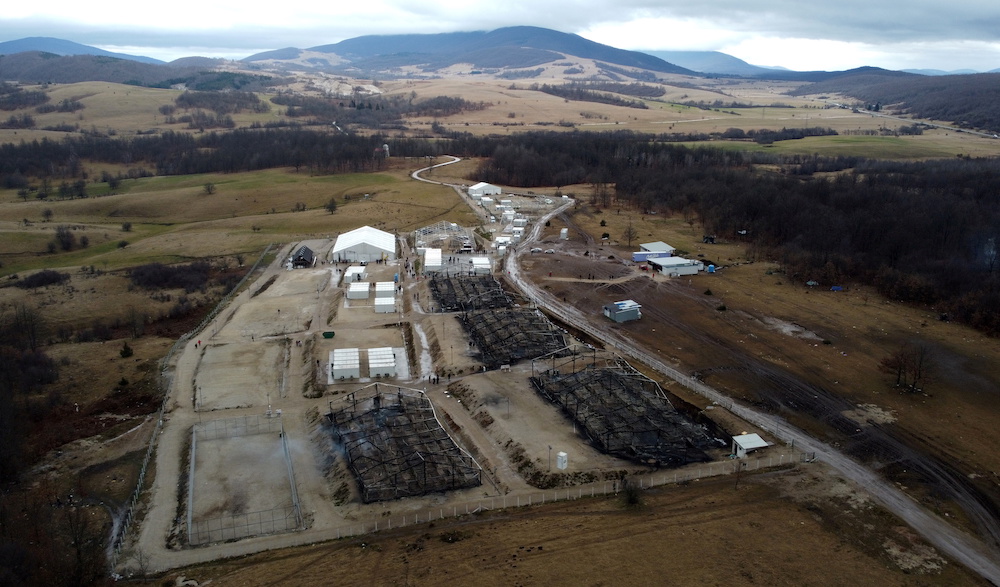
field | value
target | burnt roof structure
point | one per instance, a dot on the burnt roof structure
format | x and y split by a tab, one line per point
396	447
460	294
625	414
508	335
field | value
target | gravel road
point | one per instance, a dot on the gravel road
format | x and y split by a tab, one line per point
958	545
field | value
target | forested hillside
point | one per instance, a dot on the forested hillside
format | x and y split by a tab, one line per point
968	100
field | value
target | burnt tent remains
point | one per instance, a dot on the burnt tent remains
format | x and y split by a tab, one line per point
396	447
625	414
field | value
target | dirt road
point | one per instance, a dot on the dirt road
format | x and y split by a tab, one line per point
962	547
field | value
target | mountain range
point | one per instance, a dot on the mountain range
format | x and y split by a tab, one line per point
511	47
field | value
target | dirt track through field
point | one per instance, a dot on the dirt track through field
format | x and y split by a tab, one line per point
970	551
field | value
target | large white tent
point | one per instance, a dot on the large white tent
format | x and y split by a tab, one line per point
364	245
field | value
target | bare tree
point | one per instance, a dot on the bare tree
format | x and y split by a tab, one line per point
630	233
911	367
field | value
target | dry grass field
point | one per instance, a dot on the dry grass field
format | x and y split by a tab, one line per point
680	535
771	530
833	340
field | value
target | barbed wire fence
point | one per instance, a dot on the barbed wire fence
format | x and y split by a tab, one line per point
120	527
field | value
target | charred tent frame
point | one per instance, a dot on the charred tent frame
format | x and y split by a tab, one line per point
396	447
623	413
461	294
508	335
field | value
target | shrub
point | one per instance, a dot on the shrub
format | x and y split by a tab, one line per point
43	278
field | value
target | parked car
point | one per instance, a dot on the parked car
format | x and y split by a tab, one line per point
550	251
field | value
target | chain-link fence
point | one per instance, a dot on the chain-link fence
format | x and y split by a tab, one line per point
120	528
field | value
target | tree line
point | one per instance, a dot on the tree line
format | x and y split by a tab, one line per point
922	232
969	100
925	233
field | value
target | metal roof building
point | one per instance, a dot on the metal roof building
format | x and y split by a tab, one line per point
675	266
623	311
364	245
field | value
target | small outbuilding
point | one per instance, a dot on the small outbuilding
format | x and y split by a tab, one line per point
747	443
484	189
355	273
303	257
623	311
385	305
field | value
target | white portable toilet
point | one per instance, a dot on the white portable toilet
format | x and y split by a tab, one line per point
564	234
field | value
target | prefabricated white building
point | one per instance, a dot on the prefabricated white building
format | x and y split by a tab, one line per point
675	266
385	289
652	250
385	305
358	290
364	245
481	266
432	260
345	364
355	273
484	189
381	362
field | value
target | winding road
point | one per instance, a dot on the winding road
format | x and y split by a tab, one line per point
952	541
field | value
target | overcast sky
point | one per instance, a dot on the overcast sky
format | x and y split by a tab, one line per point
937	34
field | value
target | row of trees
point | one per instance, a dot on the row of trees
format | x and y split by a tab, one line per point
581	92
924	232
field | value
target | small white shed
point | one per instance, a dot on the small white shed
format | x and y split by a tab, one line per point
385	305
385	289
746	443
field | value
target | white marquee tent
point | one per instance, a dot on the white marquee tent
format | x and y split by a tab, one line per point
364	245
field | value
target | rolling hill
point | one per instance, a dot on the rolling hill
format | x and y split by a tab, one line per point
511	48
63	47
968	100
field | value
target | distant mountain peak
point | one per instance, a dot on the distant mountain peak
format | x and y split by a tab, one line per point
64	48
